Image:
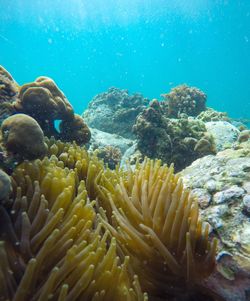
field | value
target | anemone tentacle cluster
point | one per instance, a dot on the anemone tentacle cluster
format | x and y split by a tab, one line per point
74	230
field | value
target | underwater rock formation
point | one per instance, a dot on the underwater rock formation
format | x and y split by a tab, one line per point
115	111
100	139
77	231
22	137
8	87
8	94
179	141
185	100
212	115
223	132
224	180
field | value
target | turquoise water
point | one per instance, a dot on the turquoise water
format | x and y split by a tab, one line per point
145	46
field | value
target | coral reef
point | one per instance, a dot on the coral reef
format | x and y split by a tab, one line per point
5	186
100	139
43	101
212	115
8	87
75	129
8	94
46	103
224	181
224	133
22	137
244	136
115	111
77	231
178	141
110	155
185	100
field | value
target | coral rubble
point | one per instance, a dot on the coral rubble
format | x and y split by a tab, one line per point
115	111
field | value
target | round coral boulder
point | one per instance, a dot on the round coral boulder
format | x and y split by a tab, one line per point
5	185
22	137
75	130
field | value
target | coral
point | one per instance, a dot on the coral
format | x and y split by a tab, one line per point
110	155
244	136
8	87
185	99
178	141
22	137
212	115
75	129
44	101
78	231
5	186
8	94
115	111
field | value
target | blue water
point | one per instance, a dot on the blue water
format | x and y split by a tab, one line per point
145	46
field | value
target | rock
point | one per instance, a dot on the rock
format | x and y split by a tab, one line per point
223	132
115	111
204	198
229	194
246	204
102	139
225	177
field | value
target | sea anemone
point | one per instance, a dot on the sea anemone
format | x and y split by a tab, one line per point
78	231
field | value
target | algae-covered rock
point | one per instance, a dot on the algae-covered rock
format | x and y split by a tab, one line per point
185	100
100	139
179	141
224	179
212	115
223	132
22	137
115	111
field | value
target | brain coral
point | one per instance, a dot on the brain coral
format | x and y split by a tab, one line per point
46	103
22	137
77	231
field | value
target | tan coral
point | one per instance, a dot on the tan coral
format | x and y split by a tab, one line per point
75	129
44	101
22	137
